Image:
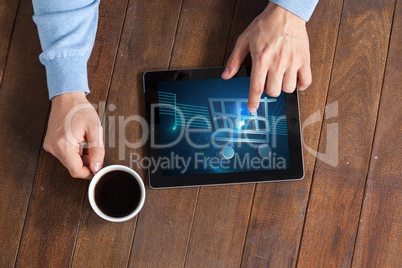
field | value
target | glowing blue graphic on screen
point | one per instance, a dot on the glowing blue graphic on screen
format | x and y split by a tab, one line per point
213	131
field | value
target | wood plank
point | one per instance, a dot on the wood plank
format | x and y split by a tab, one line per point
202	35
222	212
380	230
24	107
170	221
356	81
146	43
56	205
278	210
220	226
8	13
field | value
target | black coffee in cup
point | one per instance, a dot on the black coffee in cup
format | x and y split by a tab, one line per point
117	193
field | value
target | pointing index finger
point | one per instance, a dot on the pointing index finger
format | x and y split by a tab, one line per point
257	84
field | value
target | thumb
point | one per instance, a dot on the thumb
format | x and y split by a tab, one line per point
96	150
236	58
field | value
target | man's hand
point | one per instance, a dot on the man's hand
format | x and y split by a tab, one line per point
74	125
278	43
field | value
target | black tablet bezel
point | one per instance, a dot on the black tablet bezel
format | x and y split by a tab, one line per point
157	180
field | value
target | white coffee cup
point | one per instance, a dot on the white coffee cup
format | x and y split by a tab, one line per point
97	181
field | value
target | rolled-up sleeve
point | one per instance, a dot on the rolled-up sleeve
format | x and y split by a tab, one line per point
67	32
301	8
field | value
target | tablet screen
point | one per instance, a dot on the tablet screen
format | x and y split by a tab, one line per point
201	131
205	127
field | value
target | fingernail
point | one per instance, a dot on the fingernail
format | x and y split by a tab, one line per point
226	72
252	111
96	167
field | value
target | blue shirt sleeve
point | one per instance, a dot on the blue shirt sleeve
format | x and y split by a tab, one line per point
67	30
301	8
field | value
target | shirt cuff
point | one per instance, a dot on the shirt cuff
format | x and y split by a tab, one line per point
66	75
301	8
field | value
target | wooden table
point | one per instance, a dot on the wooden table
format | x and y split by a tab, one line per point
348	214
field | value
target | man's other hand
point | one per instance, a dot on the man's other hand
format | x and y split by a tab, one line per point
74	135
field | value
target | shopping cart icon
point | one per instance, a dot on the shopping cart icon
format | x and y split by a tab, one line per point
228	120
234	124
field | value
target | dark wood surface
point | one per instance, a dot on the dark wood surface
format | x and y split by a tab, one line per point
21	133
380	219
356	81
341	214
8	12
53	189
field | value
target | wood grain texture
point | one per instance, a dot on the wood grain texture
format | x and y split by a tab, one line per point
222	212
351	221
100	243
53	216
24	106
55	209
278	211
380	230
164	224
356	81
8	13
221	216
163	228
202	34
220	226
194	47
147	38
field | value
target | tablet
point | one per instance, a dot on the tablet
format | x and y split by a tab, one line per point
201	132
